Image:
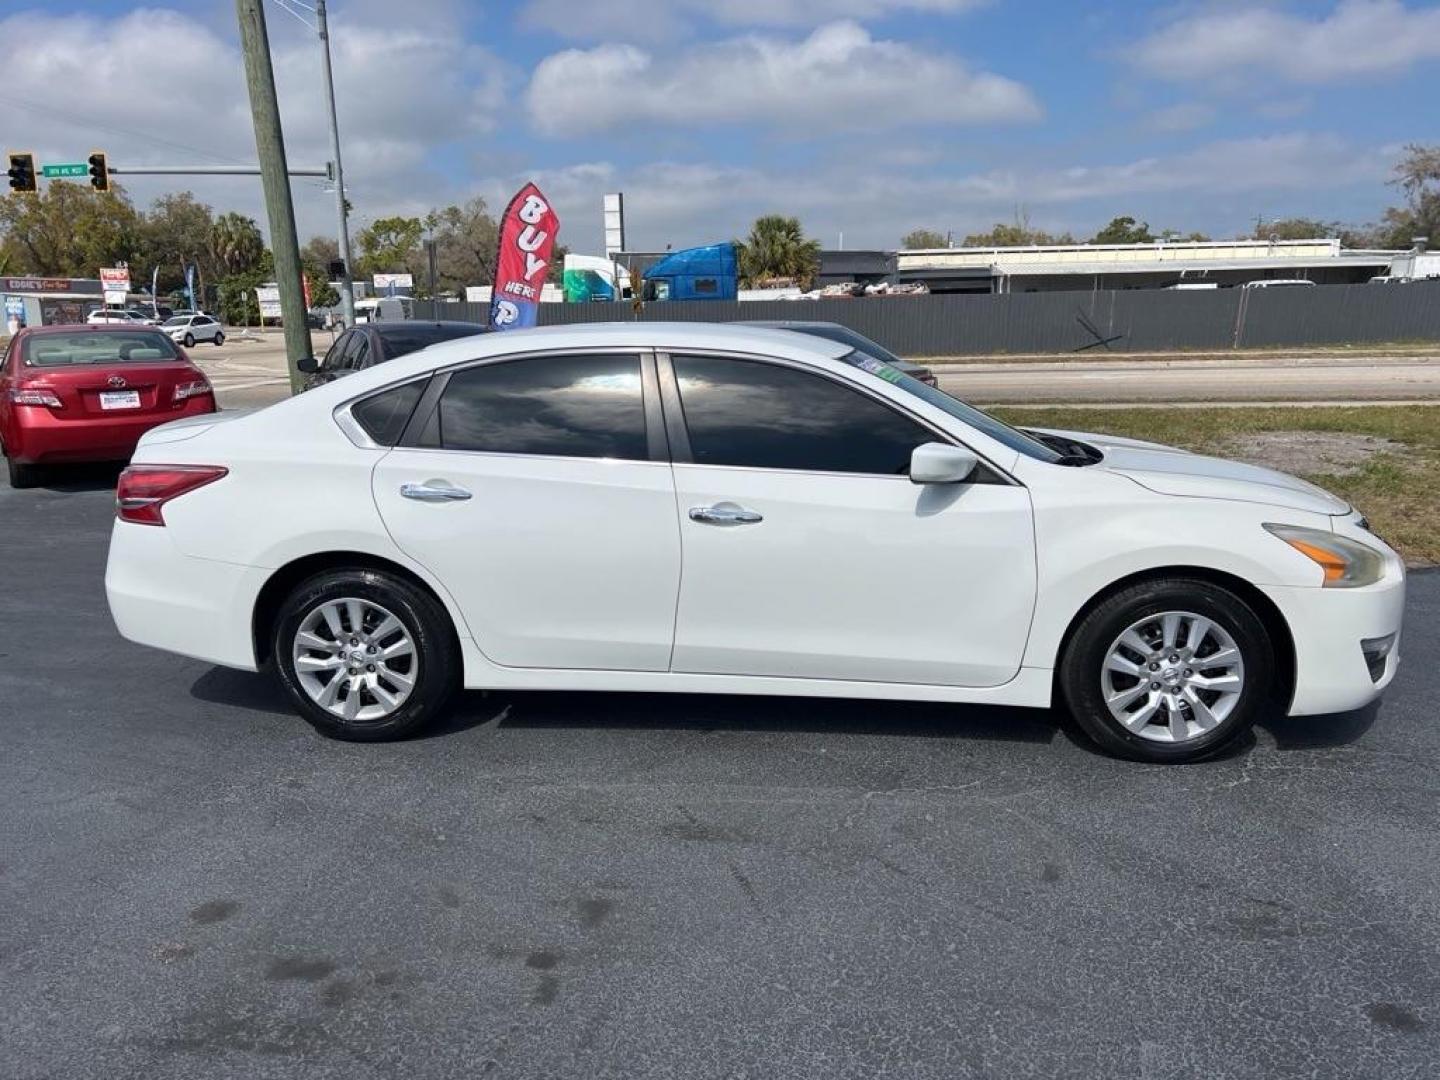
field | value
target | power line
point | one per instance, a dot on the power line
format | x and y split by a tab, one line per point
90	125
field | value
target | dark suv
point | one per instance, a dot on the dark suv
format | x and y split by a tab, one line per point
369	344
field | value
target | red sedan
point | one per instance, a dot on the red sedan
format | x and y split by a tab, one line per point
87	393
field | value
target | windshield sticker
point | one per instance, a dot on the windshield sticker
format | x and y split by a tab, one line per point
877	367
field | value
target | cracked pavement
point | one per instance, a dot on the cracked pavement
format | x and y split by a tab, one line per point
194	884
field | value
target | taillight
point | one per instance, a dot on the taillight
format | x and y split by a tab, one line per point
186	390
143	490
35	395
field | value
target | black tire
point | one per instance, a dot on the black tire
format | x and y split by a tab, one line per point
219	338
1081	666
424	619
189	341
22	476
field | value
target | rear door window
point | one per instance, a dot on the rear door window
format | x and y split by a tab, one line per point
567	406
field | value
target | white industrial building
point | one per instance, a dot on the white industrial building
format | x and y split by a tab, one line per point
1053	267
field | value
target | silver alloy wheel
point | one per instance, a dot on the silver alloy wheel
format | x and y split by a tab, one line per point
1172	677
355	659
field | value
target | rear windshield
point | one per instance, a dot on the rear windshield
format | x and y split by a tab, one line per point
96	347
414	338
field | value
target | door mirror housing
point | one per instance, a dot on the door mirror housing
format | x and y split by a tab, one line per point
941	463
307	365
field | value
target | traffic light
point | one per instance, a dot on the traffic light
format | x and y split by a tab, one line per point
22	172
335	268
99	171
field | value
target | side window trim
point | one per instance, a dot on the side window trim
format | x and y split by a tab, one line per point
681	453
429	404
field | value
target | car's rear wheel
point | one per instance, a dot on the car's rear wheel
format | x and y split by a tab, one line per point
219	337
1169	670
365	655
21	476
189	341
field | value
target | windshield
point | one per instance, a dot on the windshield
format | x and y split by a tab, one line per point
101	347
178	320
1000	432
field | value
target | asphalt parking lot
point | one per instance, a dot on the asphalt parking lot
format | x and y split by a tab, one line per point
193	884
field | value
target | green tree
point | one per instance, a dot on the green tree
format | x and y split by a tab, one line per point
176	231
68	230
918	239
320	251
465	240
1296	228
391	246
1417	174
1016	234
236	245
1124	230
777	249
322	293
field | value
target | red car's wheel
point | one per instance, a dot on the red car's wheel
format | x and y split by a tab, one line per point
22	476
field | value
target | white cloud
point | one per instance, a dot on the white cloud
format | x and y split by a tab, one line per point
1357	39
838	77
1186	116
874	205
175	94
649	20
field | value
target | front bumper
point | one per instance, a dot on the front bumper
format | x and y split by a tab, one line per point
1329	625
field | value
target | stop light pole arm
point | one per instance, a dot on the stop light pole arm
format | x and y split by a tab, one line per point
210	170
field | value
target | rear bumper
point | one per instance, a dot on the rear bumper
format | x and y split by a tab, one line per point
1329	625
40	436
166	599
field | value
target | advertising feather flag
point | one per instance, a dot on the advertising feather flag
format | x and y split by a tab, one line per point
527	239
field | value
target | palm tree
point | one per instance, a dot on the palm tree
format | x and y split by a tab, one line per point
777	248
236	243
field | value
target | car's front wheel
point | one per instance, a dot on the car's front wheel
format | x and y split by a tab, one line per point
189	341
1169	670
365	655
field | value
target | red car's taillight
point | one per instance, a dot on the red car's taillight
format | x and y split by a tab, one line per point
186	390
35	395
143	490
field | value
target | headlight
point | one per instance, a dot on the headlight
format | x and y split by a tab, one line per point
1346	563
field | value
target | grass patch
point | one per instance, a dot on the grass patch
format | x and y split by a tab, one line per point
1398	492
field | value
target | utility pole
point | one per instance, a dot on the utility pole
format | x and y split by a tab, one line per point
347	291
270	148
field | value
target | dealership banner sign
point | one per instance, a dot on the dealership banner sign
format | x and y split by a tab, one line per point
116	283
527	239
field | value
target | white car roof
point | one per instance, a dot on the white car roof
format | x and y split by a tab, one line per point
671	336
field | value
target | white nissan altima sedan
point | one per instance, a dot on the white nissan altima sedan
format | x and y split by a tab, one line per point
706	508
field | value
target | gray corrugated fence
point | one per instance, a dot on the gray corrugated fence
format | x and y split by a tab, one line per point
1058	322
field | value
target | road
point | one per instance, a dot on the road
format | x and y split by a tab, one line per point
193	884
1328	379
250	374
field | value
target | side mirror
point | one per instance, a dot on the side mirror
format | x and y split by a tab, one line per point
941	463
307	365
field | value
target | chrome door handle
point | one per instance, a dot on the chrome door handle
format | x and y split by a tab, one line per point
724	514
434	491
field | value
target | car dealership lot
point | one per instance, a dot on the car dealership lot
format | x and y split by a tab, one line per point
194	883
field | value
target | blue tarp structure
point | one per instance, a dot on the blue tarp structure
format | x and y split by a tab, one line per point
701	273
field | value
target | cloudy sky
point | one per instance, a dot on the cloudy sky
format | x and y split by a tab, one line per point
863	117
